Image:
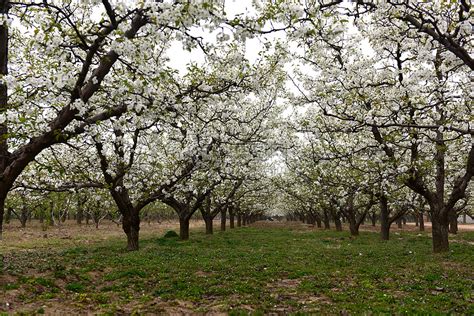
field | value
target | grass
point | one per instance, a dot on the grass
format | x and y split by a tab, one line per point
251	269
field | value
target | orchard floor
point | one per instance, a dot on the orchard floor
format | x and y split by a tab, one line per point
265	268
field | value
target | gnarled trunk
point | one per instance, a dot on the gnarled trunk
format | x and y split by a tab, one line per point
131	227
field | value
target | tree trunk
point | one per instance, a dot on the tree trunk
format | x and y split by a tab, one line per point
184	228
231	218
327	225
318	222
23	218
384	219
464	219
239	220
399	223
422	221
353	228
338	223
209	224
79	216
223	218
4	153
439	232
374	219
417	220
244	220
453	223
131	227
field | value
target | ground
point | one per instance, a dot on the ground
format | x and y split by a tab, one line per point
268	267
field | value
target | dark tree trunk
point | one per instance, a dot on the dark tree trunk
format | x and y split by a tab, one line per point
351	218
184	228
244	220
327	225
404	220
453	223
223	218
79	216
239	220
417	220
399	223
384	219
338	224
209	224
5	186
23	218
354	229
464	219
131	227
88	218
318	222
231	218
374	219
422	221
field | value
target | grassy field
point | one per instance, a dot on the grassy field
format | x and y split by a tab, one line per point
260	269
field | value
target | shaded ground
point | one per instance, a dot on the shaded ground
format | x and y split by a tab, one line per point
71	234
270	267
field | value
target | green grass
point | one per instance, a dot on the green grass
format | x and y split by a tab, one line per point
250	269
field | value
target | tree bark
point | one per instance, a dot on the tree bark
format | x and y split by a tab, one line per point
354	229
399	223
384	219
223	218
422	221
327	225
373	219
131	227
23	217
79	215
239	220
318	222
209	224
439	232
184	228
453	223
4	153
231	218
